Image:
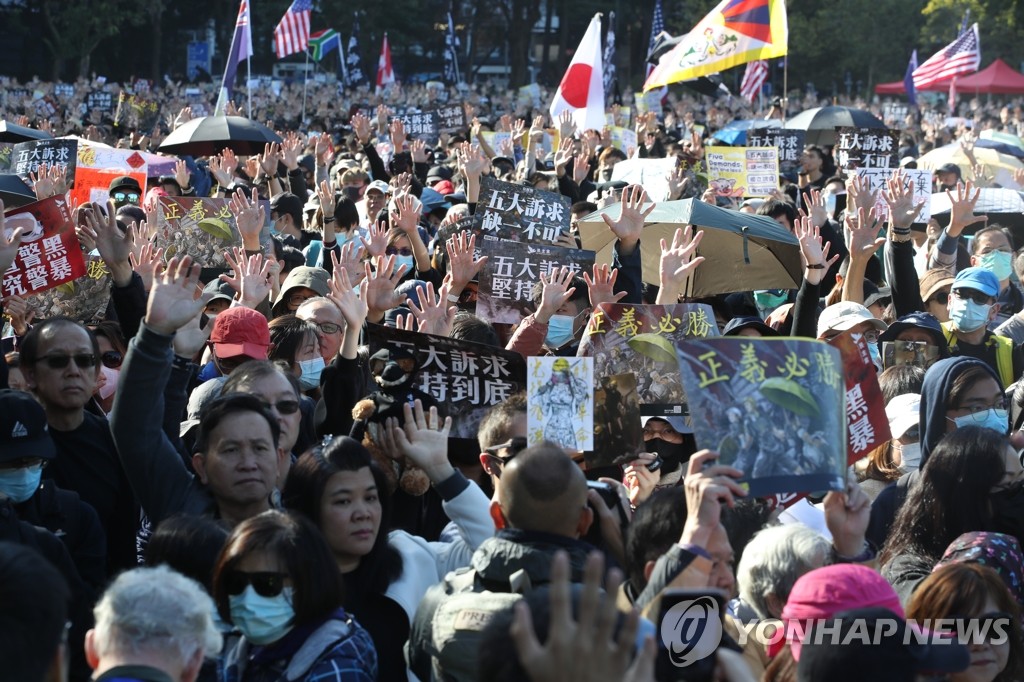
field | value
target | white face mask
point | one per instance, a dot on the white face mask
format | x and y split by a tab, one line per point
910	457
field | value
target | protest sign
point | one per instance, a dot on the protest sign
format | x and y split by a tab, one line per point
6	151
789	142
64	90
623	139
26	157
560	402
772	408
866	148
512	271
124	161
520	213
495	139
894	114
618	435
743	171
49	254
921	178
84	299
651	173
625	337
867	427
93	184
529	95
100	100
136	111
421	125
450	118
198	226
466	378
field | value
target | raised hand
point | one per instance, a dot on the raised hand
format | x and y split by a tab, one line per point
349	259
325	192
900	200
252	167
113	246
423	440
379	288
433	313
580	169
148	263
462	264
251	278
601	286
859	195
220	170
563	156
361	127
343	294
408	216
322	149
418	150
249	217
677	262
172	301
813	250
862	238
21	315
819	210
555	292
962	205
628	226
677	182
397	131
182	174
847	515
378	240
190	339
184	116
270	158
291	148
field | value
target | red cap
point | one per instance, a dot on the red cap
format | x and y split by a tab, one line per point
444	187
240	331
824	592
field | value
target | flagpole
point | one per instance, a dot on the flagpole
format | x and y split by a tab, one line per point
248	83
785	87
305	79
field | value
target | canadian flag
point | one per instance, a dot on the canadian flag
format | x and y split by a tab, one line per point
582	88
385	75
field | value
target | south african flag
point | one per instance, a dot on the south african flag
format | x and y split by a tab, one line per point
322	42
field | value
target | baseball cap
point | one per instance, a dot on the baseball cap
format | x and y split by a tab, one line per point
444	187
219	289
949	168
925	321
933	280
432	200
676	422
903	412
826	591
977	278
738	323
313	278
23	429
437	173
870	644
287	203
240	331
874	293
377	186
846	315
125	182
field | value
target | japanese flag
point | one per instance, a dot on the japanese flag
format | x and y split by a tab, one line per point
582	88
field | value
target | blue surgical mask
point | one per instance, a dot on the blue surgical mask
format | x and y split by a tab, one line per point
999	263
876	355
311	371
408	261
262	620
994	418
273	228
966	315
559	331
20	484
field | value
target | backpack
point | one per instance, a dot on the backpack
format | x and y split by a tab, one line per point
460	618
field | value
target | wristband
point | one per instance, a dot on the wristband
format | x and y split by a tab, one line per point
329	220
900	230
452	298
816	266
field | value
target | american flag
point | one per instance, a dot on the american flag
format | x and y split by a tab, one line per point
657	26
291	34
753	79
961	56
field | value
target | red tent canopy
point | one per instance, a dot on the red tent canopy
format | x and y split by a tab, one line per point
897	88
998	78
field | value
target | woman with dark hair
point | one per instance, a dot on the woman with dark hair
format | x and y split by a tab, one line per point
112	349
968	590
341	489
277	582
295	343
952	497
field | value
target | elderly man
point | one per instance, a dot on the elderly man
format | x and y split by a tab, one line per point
152	625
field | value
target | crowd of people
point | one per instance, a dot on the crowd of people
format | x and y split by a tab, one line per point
189	492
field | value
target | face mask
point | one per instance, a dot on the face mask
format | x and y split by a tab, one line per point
830	204
559	331
1008	510
768	300
671	453
910	457
408	261
273	228
311	371
967	316
993	418
20	484
110	386
876	355
998	263
351	192
262	619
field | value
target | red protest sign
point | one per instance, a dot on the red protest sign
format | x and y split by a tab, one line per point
92	184
867	427
50	254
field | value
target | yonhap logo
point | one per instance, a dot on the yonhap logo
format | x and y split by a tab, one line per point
691	630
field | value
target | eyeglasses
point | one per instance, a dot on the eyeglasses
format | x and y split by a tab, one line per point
266	584
23	463
870	336
513	447
404	251
978	297
299	299
328	327
82	360
130	197
940	297
282	406
111	359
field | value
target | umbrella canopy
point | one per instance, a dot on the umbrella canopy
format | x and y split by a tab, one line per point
821	123
14	192
742	251
1002	206
735	132
10	132
1005	138
1001	147
210	135
997	166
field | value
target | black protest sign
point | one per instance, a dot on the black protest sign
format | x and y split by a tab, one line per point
450	118
618	436
64	90
421	125
26	157
789	142
466	378
513	270
520	213
895	113
866	148
100	100
136	112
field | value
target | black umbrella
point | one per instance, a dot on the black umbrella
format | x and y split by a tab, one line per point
212	134
10	132
821	123
14	191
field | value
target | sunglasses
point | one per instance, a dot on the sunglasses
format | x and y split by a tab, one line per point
265	584
283	406
940	297
978	297
130	197
82	360
513	447
392	251
111	359
328	327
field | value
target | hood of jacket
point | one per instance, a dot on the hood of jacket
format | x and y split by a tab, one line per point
938	382
511	551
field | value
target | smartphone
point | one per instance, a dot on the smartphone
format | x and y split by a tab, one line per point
690	630
610	498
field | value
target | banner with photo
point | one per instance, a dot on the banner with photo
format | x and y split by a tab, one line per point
560	402
49	254
200	227
618	434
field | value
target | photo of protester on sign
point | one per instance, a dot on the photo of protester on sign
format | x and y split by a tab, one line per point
49	254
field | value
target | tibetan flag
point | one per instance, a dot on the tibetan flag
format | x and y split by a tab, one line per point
322	42
734	33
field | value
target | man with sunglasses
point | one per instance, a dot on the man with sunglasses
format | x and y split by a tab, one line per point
972	305
935	287
125	190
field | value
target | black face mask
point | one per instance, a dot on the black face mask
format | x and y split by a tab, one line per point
1008	511
352	193
672	454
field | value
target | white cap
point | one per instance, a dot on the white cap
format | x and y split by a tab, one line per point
846	315
904	413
